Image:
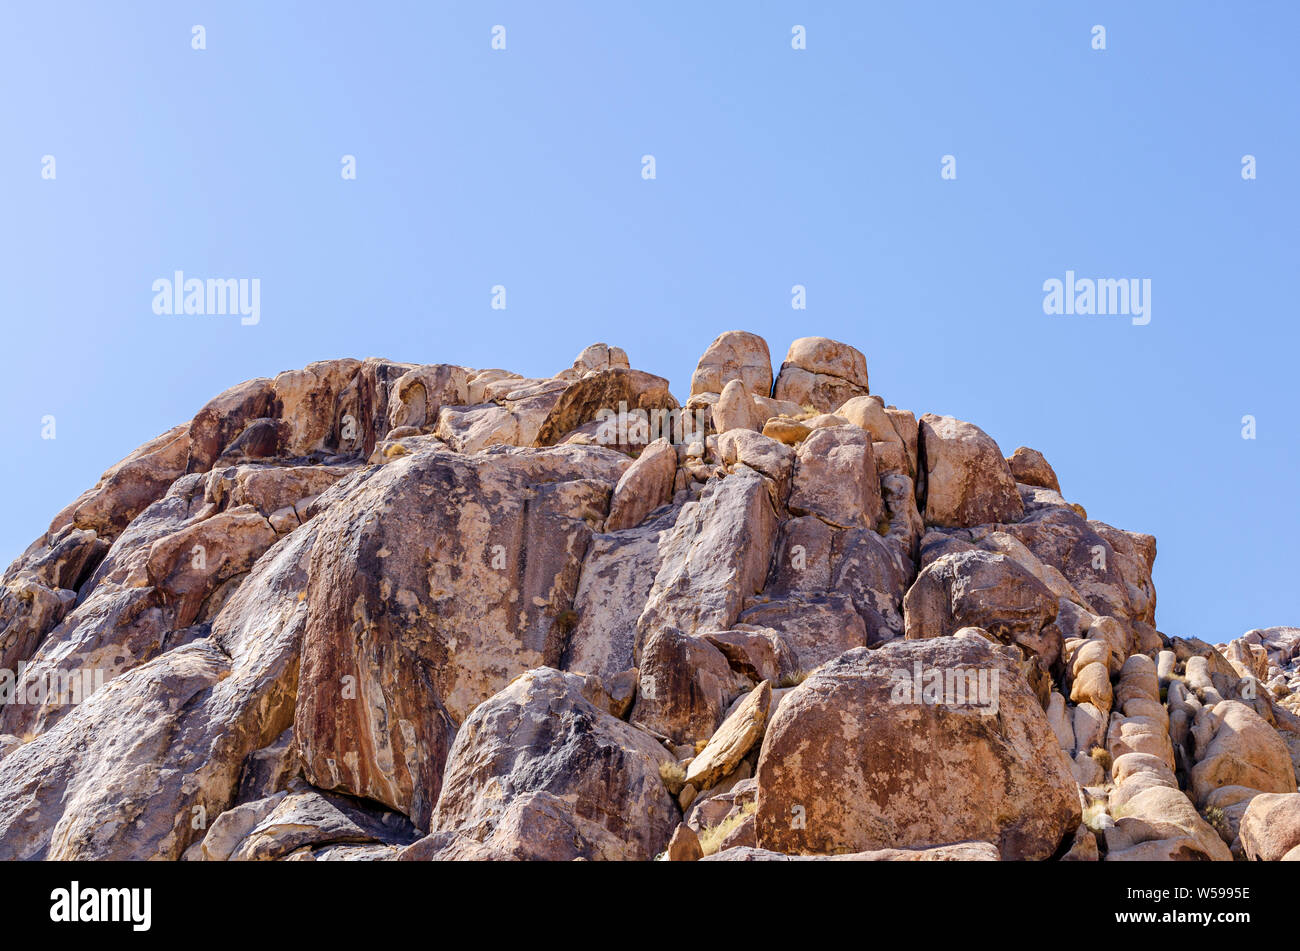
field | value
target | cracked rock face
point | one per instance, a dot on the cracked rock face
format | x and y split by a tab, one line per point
372	610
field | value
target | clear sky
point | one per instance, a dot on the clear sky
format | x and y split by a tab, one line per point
774	167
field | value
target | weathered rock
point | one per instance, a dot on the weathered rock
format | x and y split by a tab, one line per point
835	479
870	414
816	628
597	356
967	482
1138	681
617	574
39	589
1270	827
1083	848
684	846
741	835
756	653
1161	824
232	826
1089	727
423	604
715	556
873	574
1030	468
869	773
306	401
685	686
956	852
302	591
735	409
1060	722
125	773
1092	685
602	394
1244	751
646	485
761	453
1136	772
1087	770
737	735
1139	735
9	743
785	430
980	589
314	819
1114	584
734	355
269	770
1093	650
471	429
155	580
821	374
537	772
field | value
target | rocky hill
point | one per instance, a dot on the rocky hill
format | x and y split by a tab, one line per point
375	610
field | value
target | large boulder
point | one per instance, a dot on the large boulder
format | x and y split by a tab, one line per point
835	478
761	453
305	399
980	589
815	562
1244	751
735	409
851	762
685	686
646	485
538	772
1270	827
1029	467
418	395
821	374
892	428
715	556
734	355
1109	568
967	482
602	394
873	572
1161	824
816	628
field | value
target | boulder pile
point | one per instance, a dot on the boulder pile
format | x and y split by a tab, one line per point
370	610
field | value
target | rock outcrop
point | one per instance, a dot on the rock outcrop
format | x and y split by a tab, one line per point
371	610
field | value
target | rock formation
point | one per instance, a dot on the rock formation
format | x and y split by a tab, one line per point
373	610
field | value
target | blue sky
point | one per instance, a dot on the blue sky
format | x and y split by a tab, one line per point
775	167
